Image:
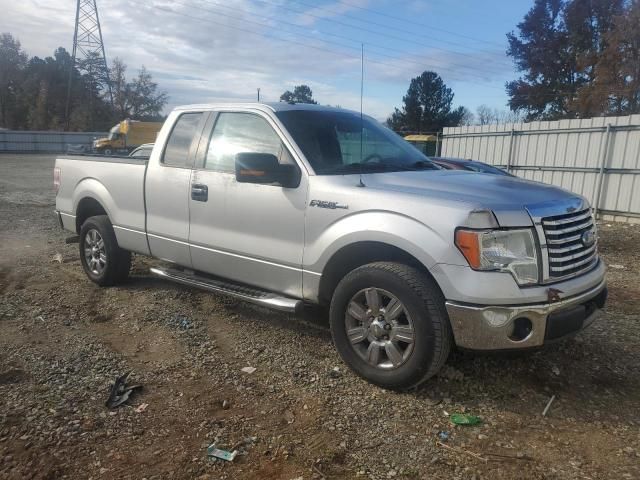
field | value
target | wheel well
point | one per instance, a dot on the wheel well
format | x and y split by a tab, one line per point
355	255
88	207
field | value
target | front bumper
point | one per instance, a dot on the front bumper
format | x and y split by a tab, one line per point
479	327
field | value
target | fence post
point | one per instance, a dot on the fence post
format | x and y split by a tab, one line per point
603	163
437	138
511	136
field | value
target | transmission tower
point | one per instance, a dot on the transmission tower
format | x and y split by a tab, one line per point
87	43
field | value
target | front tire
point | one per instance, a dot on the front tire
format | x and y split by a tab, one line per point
104	262
389	324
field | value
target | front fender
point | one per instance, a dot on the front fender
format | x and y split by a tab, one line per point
401	231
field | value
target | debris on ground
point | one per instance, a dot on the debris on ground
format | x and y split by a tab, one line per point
289	416
443	436
57	258
555	370
53	420
462	450
451	373
464	419
546	409
142	407
120	391
335	372
248	370
213	452
226	404
616	266
181	322
243	445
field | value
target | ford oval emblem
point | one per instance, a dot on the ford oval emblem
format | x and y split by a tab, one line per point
588	238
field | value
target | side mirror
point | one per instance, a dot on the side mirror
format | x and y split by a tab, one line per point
264	168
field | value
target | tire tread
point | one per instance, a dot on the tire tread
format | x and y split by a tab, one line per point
433	300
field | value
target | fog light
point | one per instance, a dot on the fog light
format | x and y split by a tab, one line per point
522	328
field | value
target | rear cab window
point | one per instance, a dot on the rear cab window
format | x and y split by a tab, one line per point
185	130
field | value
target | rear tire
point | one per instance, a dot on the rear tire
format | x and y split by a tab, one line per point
390	325
104	262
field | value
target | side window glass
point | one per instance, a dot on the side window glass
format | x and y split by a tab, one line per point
236	133
176	153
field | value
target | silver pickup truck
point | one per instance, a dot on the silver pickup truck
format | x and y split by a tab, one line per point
283	205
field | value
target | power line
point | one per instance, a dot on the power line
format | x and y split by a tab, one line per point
482	75
339	53
377	33
413	22
384	47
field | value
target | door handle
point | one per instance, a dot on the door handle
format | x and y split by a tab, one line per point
199	193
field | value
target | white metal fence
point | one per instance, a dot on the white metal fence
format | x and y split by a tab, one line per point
46	142
597	157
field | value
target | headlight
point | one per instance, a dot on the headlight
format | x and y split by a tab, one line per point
512	251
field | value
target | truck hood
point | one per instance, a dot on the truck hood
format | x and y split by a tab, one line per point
510	198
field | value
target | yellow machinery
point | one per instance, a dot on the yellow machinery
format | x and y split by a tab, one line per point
427	144
127	135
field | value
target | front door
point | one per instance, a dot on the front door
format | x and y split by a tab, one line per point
167	191
250	233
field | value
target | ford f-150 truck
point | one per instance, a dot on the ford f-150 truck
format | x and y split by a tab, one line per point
283	205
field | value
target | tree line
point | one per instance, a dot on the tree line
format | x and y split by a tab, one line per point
575	58
33	92
578	59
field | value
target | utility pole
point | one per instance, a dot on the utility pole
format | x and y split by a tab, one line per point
258	94
87	43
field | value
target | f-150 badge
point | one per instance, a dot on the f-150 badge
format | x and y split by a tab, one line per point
329	205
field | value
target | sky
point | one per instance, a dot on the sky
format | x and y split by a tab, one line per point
224	50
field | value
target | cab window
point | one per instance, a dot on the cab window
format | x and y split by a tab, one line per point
176	153
236	132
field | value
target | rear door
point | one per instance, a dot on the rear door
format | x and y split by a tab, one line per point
167	190
246	232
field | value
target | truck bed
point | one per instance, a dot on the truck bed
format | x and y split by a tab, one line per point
120	181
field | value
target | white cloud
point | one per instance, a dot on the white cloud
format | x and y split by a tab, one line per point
212	50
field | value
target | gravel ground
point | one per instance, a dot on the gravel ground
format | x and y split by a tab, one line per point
301	414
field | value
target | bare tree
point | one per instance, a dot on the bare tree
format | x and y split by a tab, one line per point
486	115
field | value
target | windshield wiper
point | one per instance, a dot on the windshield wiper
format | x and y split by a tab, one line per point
367	167
424	165
363	167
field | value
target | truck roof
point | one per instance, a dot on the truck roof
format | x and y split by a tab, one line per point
273	106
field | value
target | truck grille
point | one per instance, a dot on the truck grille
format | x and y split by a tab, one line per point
568	247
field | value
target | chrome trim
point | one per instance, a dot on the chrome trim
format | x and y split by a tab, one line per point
542	215
573	265
268	299
566	258
568	229
118	227
160	237
564	221
244	257
571	248
480	327
561	241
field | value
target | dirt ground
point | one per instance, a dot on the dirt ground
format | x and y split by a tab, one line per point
301	414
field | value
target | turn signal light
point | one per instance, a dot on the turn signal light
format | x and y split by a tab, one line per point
469	244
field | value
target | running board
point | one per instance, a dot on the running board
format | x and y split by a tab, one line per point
249	294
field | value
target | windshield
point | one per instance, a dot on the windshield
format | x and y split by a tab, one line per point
343	142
